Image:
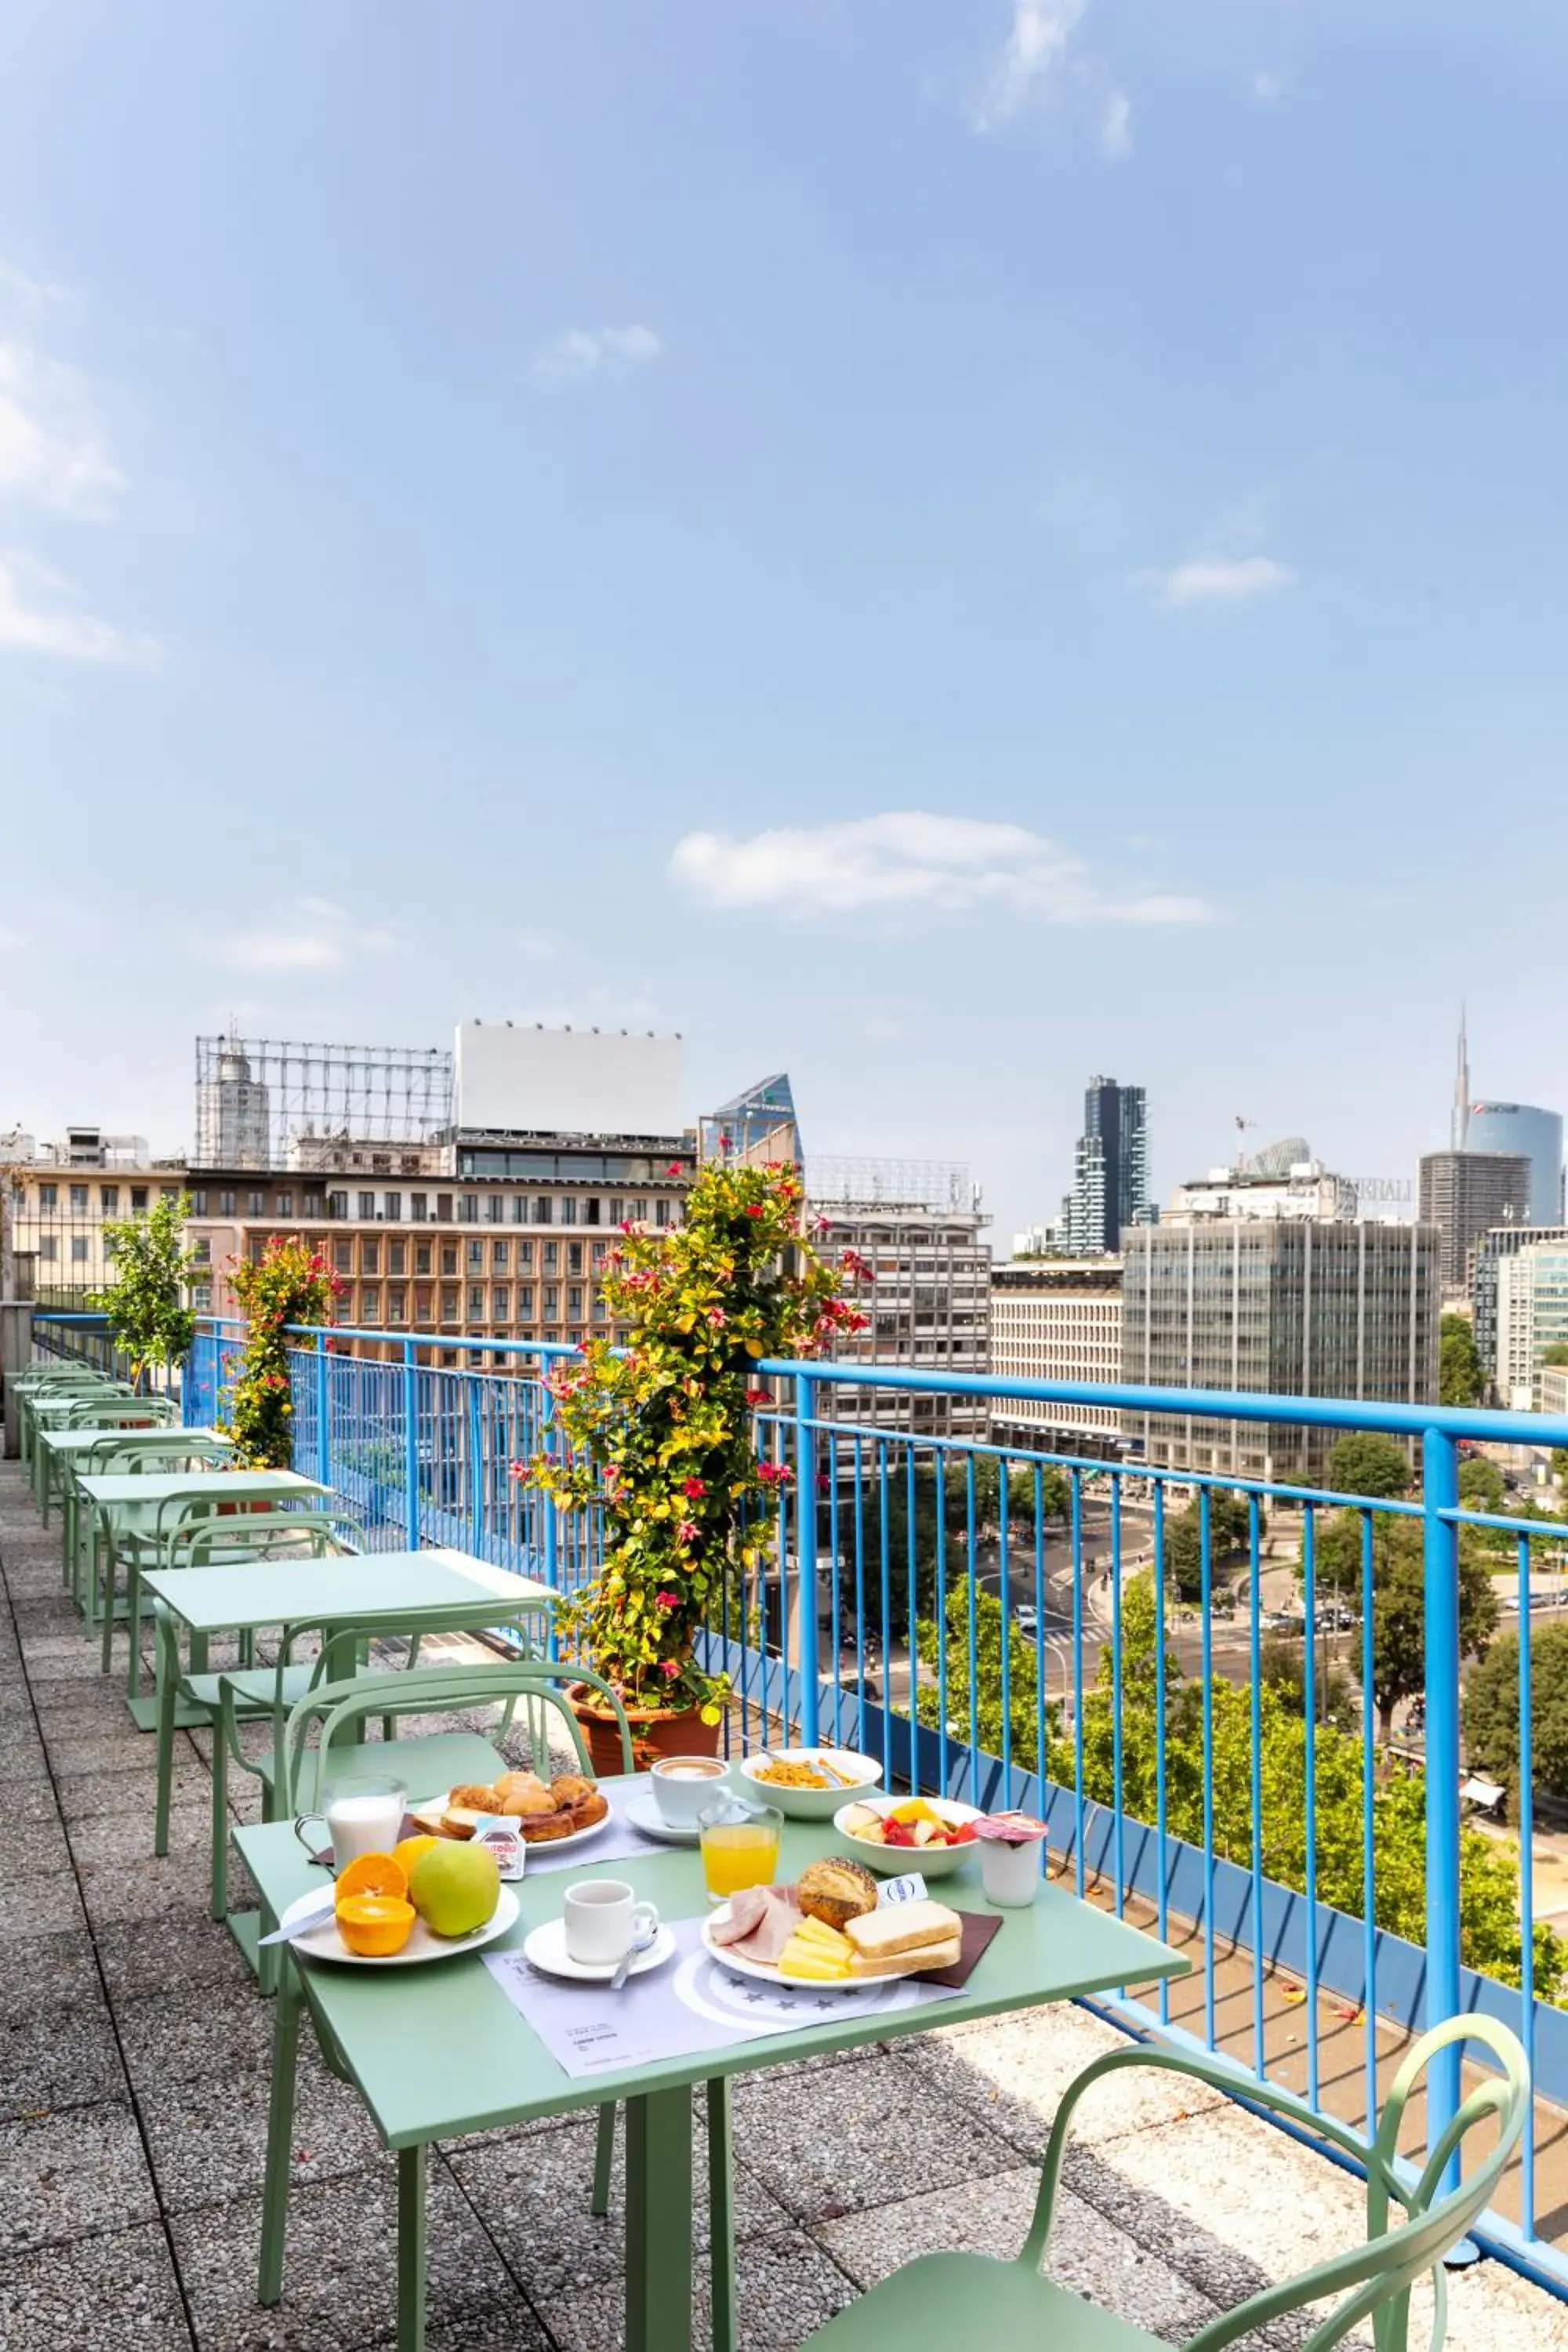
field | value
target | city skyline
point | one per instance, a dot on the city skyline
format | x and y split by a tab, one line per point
1023	586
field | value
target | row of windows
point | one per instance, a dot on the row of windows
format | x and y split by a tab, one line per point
394	1255
79	1197
424	1208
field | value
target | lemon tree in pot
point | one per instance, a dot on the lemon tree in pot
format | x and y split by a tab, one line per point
657	1441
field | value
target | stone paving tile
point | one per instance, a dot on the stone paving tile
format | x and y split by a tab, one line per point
118	2287
786	2287
21	1751
56	2056
63	2175
339	2269
825	2147
169	2038
208	2139
533	2196
188	1955
33	1845
39	1973
992	2217
509	2326
153	1889
42	1904
32	1800
86	1795
102	1839
105	1754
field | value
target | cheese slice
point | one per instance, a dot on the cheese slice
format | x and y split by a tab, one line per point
801	1959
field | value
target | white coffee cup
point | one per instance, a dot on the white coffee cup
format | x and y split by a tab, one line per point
683	1785
602	1920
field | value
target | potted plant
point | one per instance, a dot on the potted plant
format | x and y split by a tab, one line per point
289	1283
660	1443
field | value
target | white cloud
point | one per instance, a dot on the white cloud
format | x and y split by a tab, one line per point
317	937
911	860
1268	86
1033	61
1223	580
1116	125
585	351
51	449
28	627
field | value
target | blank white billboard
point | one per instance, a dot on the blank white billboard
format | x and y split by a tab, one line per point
567	1081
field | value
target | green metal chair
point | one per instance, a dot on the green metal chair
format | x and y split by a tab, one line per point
941	2299
115	1456
430	1764
232	1535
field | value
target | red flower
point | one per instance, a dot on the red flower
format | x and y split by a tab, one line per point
755	1209
676	1168
670	1668
668	1599
774	1474
694	1490
758	1396
685	1532
518	1470
717	1317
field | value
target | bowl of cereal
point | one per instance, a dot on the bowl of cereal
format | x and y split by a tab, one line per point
809	1784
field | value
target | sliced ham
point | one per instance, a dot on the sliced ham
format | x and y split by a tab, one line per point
769	1926
746	1909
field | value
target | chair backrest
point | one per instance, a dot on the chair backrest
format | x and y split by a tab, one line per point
433	1690
117	1412
170	1449
1376	2279
254	1535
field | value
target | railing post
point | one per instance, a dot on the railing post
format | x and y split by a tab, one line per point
1440	1492
805	1553
323	1411
410	1447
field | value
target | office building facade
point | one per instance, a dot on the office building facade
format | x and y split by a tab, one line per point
63	1196
1486	1260
1506	1127
1058	1319
1531	1316
1465	1194
1110	1168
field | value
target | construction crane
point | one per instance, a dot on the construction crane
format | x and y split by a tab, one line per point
1241	1126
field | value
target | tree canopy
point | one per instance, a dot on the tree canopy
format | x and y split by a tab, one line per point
1492	1712
1229	1538
1461	1377
1364	1462
145	1301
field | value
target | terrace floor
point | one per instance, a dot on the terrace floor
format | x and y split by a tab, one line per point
133	2068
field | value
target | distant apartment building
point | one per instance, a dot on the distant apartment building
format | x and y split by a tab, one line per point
1464	1194
1111	1168
1531	1316
1233	1291
1056	1319
1487	1257
64	1193
1509	1128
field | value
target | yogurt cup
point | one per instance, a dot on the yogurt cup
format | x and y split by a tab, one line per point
1012	1850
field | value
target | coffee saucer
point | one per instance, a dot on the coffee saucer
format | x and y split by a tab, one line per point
545	1948
643	1813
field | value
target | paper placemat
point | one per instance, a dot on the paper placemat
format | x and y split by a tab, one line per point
689	2005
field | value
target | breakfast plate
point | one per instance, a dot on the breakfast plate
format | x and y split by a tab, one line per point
643	1814
545	1948
438	1805
765	1973
325	1943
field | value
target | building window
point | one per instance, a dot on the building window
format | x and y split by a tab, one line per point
448	1257
500	1304
599	1250
370	1307
476	1300
598	1310
78	1249
397	1257
202	1297
661	1212
543	1210
476	1257
569	1210
312	1204
337	1204
469	1209
225	1204
552	1257
198	1203
573	1258
639	1212
525	1257
422	1303
591	1211
617	1209
108	1200
393	1207
416	1207
551	1299
443	1208
519	1208
342	1255
449	1307
285	1205
256	1204
48	1199
48	1248
398	1303
370	1257
421	1257
202	1251
367	1205
138	1199
495	1207
78	1199
574	1299
524	1301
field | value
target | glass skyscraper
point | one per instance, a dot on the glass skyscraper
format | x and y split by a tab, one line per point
1538	1134
1110	1168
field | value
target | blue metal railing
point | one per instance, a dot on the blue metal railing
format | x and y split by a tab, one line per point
1150	1738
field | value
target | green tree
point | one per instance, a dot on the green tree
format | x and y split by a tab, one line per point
1556	1353
1229	1540
1022	1684
1482	1485
1491	1713
1282	1666
1399	1612
1460	1379
146	1300
1363	1463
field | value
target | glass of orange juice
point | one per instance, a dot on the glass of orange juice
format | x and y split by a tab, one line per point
740	1846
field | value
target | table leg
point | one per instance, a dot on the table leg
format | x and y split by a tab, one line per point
411	2249
658	2222
279	2133
722	2212
106	1594
166	1685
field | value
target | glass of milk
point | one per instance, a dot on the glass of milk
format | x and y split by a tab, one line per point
363	1815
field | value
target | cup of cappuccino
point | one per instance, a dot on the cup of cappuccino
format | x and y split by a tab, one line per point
682	1785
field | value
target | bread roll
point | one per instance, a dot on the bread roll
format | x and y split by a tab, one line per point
835	1891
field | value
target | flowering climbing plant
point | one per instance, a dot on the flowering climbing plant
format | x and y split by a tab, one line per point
659	1437
289	1283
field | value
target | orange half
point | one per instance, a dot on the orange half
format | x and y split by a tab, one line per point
373	1873
375	1926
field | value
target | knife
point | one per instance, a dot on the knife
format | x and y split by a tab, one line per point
320	1912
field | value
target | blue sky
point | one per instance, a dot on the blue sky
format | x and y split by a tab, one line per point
944	548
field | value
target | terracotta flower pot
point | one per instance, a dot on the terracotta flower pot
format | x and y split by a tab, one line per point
656	1731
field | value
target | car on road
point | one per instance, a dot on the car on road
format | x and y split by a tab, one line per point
1285	1621
1027	1622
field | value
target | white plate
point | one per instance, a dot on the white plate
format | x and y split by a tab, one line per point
546	1949
325	1943
728	1957
643	1814
894	1861
540	1845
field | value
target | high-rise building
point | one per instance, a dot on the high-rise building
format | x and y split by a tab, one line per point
1110	1168
1487	1256
1531	1316
1464	1194
1220	1297
757	1127
1507	1127
1056	1319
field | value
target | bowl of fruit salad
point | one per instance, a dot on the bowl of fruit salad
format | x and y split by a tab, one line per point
932	1834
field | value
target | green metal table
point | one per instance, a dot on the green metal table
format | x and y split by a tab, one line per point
125	1510
59	1450
439	2052
51	1415
433	1592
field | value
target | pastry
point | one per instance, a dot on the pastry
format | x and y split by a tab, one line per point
523	1804
835	1891
571	1788
474	1798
